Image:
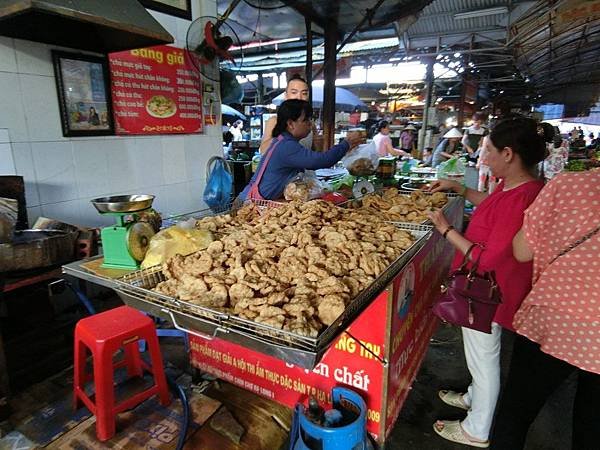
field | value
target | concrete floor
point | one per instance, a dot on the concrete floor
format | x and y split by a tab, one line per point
444	368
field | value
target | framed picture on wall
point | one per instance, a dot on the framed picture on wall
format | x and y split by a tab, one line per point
82	82
179	8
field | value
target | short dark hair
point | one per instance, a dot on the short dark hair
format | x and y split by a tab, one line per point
521	135
291	110
298	77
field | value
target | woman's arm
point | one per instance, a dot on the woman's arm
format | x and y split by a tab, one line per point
471	195
268	135
465	142
452	235
299	157
392	151
447	155
521	250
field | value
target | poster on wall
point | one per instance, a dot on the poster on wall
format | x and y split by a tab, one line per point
155	90
84	97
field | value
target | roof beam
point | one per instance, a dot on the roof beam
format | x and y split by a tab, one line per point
306	11
413	8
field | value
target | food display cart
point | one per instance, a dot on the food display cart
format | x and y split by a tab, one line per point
374	347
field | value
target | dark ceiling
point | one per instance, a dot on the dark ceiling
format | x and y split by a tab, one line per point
513	48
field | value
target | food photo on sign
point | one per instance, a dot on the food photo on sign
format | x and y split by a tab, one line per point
155	90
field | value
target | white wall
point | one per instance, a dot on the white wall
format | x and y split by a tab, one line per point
63	174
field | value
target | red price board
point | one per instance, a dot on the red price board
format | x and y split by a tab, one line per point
155	90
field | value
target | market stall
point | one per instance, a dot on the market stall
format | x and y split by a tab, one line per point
374	346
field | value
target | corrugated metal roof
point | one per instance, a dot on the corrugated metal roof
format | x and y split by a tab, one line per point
445	23
559	54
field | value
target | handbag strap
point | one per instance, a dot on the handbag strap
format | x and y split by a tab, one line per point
579	241
468	254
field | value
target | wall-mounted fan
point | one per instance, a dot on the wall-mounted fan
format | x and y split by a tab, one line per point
208	43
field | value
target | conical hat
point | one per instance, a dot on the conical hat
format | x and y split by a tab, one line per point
410	127
453	133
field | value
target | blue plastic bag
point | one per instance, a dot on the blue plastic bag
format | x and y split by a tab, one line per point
219	184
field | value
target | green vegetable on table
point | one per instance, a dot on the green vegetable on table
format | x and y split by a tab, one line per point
576	166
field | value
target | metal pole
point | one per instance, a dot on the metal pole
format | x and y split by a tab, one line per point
429	83
309	60
461	105
260	89
329	87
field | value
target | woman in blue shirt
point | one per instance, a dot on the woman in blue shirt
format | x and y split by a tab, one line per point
285	157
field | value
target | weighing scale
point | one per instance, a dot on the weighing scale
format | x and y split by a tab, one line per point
362	186
124	245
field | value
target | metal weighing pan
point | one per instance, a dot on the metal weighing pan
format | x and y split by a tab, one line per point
135	289
123	203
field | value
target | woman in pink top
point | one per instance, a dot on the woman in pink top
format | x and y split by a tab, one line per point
559	321
514	149
383	142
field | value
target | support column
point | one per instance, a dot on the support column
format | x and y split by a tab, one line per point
309	60
429	95
460	117
329	74
260	89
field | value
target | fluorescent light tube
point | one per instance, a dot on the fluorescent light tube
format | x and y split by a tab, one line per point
481	13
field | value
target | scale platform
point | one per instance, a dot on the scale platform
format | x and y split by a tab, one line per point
124	244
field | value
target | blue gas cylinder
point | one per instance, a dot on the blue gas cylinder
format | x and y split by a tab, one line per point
349	432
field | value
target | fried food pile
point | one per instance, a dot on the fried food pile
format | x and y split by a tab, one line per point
361	167
295	267
396	207
225	223
302	190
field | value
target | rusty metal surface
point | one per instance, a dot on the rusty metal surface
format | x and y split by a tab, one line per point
13	186
99	26
37	248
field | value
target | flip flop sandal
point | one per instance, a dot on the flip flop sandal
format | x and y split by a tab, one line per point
454	432
453	398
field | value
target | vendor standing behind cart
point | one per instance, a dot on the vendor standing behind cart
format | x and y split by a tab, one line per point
297	88
473	137
286	157
447	147
383	142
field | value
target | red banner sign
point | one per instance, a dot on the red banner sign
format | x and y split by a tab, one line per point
155	90
355	360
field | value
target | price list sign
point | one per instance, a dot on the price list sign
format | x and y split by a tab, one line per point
155	90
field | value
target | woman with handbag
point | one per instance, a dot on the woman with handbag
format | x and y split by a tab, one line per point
558	324
514	149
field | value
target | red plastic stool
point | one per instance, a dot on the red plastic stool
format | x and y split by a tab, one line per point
104	334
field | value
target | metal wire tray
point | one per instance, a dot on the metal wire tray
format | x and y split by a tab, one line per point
230	208
451	196
135	290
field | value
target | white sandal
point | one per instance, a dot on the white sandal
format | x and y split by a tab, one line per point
453	398
453	431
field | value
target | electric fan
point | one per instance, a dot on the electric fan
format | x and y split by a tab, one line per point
208	47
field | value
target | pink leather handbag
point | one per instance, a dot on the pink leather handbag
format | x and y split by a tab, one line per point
469	299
